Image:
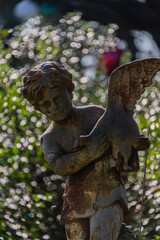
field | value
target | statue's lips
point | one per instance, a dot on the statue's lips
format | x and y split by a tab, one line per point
57	112
47	112
54	113
50	112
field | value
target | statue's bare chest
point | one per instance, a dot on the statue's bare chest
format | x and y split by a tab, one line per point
66	139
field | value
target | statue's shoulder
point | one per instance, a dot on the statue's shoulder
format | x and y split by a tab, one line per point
92	111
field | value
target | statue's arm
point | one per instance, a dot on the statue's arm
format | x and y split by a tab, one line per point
69	163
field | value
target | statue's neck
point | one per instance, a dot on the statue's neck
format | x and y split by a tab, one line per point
70	119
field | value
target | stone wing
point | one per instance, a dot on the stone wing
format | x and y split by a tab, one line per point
128	82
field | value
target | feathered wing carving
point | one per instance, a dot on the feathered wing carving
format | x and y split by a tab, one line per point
128	82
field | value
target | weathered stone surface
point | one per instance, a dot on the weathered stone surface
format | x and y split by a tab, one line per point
90	145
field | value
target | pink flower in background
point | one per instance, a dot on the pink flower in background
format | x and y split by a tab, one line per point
111	59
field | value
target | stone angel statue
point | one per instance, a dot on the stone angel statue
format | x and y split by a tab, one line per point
126	85
94	197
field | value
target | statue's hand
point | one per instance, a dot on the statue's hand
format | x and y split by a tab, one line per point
141	143
81	141
95	146
98	145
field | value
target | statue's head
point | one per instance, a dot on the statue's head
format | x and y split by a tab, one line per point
48	87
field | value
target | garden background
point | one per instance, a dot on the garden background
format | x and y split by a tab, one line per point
30	193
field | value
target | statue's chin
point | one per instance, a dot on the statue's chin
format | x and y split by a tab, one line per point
57	118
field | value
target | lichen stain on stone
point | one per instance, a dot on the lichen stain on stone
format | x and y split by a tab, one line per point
96	233
90	195
74	231
100	166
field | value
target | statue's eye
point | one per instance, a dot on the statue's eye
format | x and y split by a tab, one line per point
46	104
56	99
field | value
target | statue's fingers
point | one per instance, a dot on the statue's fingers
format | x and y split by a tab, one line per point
104	137
141	143
81	141
104	141
77	142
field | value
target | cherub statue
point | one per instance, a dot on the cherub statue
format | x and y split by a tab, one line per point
94	196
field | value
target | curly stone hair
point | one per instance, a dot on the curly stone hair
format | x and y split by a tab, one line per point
46	75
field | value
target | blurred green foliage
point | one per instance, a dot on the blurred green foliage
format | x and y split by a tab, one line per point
30	193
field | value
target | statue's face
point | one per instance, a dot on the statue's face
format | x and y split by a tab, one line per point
56	104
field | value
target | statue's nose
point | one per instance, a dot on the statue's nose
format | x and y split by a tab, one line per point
55	105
